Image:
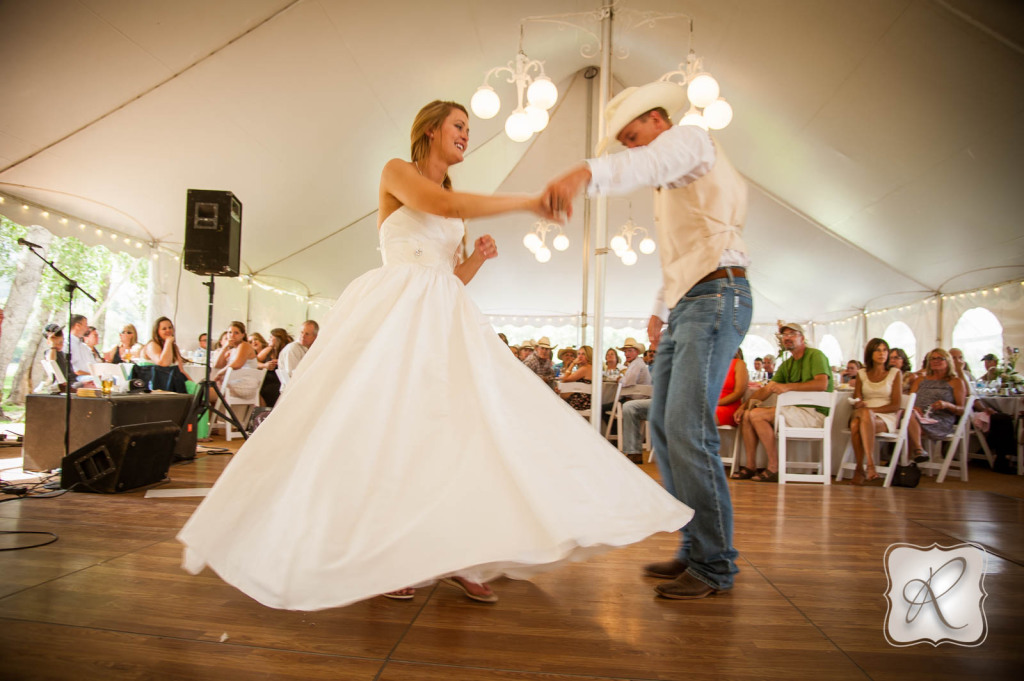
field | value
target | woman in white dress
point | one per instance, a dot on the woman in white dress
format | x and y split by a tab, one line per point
360	484
877	392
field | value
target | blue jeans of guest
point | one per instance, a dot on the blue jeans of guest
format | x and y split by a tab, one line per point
634	413
704	330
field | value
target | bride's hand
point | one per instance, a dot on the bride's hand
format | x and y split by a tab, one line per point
486	247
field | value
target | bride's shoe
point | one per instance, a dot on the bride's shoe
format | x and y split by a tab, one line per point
484	594
401	594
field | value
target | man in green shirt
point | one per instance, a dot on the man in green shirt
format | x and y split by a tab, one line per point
807	369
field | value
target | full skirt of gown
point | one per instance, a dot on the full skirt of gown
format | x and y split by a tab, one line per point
411	445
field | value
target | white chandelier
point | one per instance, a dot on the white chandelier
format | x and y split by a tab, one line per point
535	240
622	243
541	95
703	92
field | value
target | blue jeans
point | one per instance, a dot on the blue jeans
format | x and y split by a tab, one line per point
704	330
634	413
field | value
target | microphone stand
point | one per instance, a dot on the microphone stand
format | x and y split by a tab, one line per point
70	287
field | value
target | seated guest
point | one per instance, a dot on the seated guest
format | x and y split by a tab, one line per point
162	350
991	363
293	353
238	354
941	396
127	348
539	362
850	374
876	408
732	391
199	354
91	340
565	358
898	360
634	413
258	342
525	350
81	354
636	372
649	358
769	366
612	368
55	353
580	371
267	358
807	370
963	370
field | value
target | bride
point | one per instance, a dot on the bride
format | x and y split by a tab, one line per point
361	484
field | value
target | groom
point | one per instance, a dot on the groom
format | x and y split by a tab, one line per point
700	205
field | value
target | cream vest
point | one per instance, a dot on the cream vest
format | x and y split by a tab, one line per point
696	222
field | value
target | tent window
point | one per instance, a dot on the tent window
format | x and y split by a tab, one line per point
899	335
754	347
830	346
978	333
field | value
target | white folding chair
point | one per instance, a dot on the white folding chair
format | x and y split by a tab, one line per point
957	445
54	377
986	451
237	401
732	459
577	387
785	433
633	391
900	450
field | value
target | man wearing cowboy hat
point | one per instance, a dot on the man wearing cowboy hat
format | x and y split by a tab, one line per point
539	361
637	372
700	205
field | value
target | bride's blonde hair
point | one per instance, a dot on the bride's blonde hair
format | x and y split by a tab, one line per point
427	120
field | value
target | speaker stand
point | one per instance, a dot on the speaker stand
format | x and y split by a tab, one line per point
201	401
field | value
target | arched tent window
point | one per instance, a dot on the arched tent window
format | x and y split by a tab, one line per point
978	333
756	346
899	335
830	346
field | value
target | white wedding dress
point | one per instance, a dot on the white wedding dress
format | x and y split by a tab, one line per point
411	445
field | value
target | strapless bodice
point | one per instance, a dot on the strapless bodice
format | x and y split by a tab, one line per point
409	237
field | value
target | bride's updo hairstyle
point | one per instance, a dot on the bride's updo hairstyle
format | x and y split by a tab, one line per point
427	120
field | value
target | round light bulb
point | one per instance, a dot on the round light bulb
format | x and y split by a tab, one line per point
618	244
561	242
538	118
629	257
532	242
702	90
647	245
517	126
543	254
485	102
718	114
693	117
542	93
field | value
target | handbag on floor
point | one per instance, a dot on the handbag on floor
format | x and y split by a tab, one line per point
906	476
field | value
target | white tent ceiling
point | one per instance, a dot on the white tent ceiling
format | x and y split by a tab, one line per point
881	138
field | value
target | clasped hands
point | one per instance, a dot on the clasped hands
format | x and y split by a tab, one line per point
556	199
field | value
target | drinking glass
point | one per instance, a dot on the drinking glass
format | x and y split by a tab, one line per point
107	385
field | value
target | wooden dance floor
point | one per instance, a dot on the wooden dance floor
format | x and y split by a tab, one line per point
108	600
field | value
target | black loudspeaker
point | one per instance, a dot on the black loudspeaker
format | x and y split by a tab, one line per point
125	458
213	232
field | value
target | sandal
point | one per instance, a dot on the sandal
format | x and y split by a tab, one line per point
766	476
743	473
406	594
482	598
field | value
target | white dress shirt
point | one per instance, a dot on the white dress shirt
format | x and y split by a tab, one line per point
637	373
290	357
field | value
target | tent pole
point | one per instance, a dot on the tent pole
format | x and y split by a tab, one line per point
588	144
601	223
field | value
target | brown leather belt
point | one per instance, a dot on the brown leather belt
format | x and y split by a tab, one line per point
723	272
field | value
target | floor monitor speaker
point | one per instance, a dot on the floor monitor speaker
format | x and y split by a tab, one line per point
213	232
125	458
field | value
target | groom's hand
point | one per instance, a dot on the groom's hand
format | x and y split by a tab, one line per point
560	192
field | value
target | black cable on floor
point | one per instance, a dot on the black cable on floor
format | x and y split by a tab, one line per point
31	546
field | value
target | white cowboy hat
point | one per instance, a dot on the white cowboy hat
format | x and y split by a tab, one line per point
636	101
544	342
631	343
